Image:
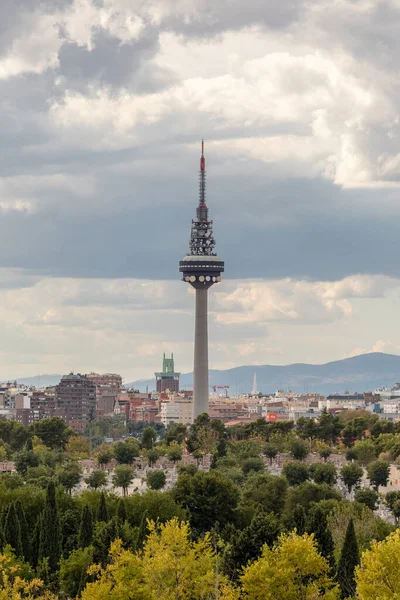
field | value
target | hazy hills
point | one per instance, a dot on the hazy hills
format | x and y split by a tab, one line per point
357	374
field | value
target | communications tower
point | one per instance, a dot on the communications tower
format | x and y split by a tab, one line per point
201	268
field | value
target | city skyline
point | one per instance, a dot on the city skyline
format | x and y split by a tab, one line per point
103	105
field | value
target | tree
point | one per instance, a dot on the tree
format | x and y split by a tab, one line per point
270	451
349	559
324	451
14	434
17	584
367	497
246	545
70	523
121	511
86	528
378	574
392	500
96	479
318	525
177	433
156	507
70	475
365	451
174	567
307	428
354	430
292	570
306	494
152	456
104	535
121	579
209	497
50	533
125	452
77	447
12	530
351	476
329	427
53	432
149	436
255	464
265	492
323	473
298	520
174	452
73	571
24	460
378	473
24	530
102	512
295	472
298	449
35	542
11	481
104	457
156	479
396	511
123	477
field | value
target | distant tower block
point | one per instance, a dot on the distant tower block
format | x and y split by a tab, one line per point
254	391
167	379
201	268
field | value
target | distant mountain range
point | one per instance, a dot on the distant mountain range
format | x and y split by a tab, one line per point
39	380
357	374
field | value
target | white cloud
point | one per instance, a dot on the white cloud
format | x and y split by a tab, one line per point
297	301
35	50
126	324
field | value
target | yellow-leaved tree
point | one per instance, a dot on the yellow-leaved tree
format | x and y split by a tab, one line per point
122	579
292	570
378	574
13	586
171	567
177	568
77	447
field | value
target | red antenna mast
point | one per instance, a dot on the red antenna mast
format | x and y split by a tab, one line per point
202	159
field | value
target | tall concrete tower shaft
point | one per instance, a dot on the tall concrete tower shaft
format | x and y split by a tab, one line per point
201	268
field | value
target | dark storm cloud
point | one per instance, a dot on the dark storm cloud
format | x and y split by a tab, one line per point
329	243
136	223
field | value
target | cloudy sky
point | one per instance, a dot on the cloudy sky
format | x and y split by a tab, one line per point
102	107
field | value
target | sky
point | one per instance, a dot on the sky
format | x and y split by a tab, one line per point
103	104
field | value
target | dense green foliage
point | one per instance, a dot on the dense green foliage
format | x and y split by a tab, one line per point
239	507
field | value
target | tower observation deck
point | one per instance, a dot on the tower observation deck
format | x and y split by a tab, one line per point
201	268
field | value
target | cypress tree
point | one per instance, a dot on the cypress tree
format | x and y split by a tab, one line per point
12	530
3	517
121	511
105	534
318	525
29	445
50	534
23	524
102	512
349	559
299	519
70	522
86	528
142	532
35	542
